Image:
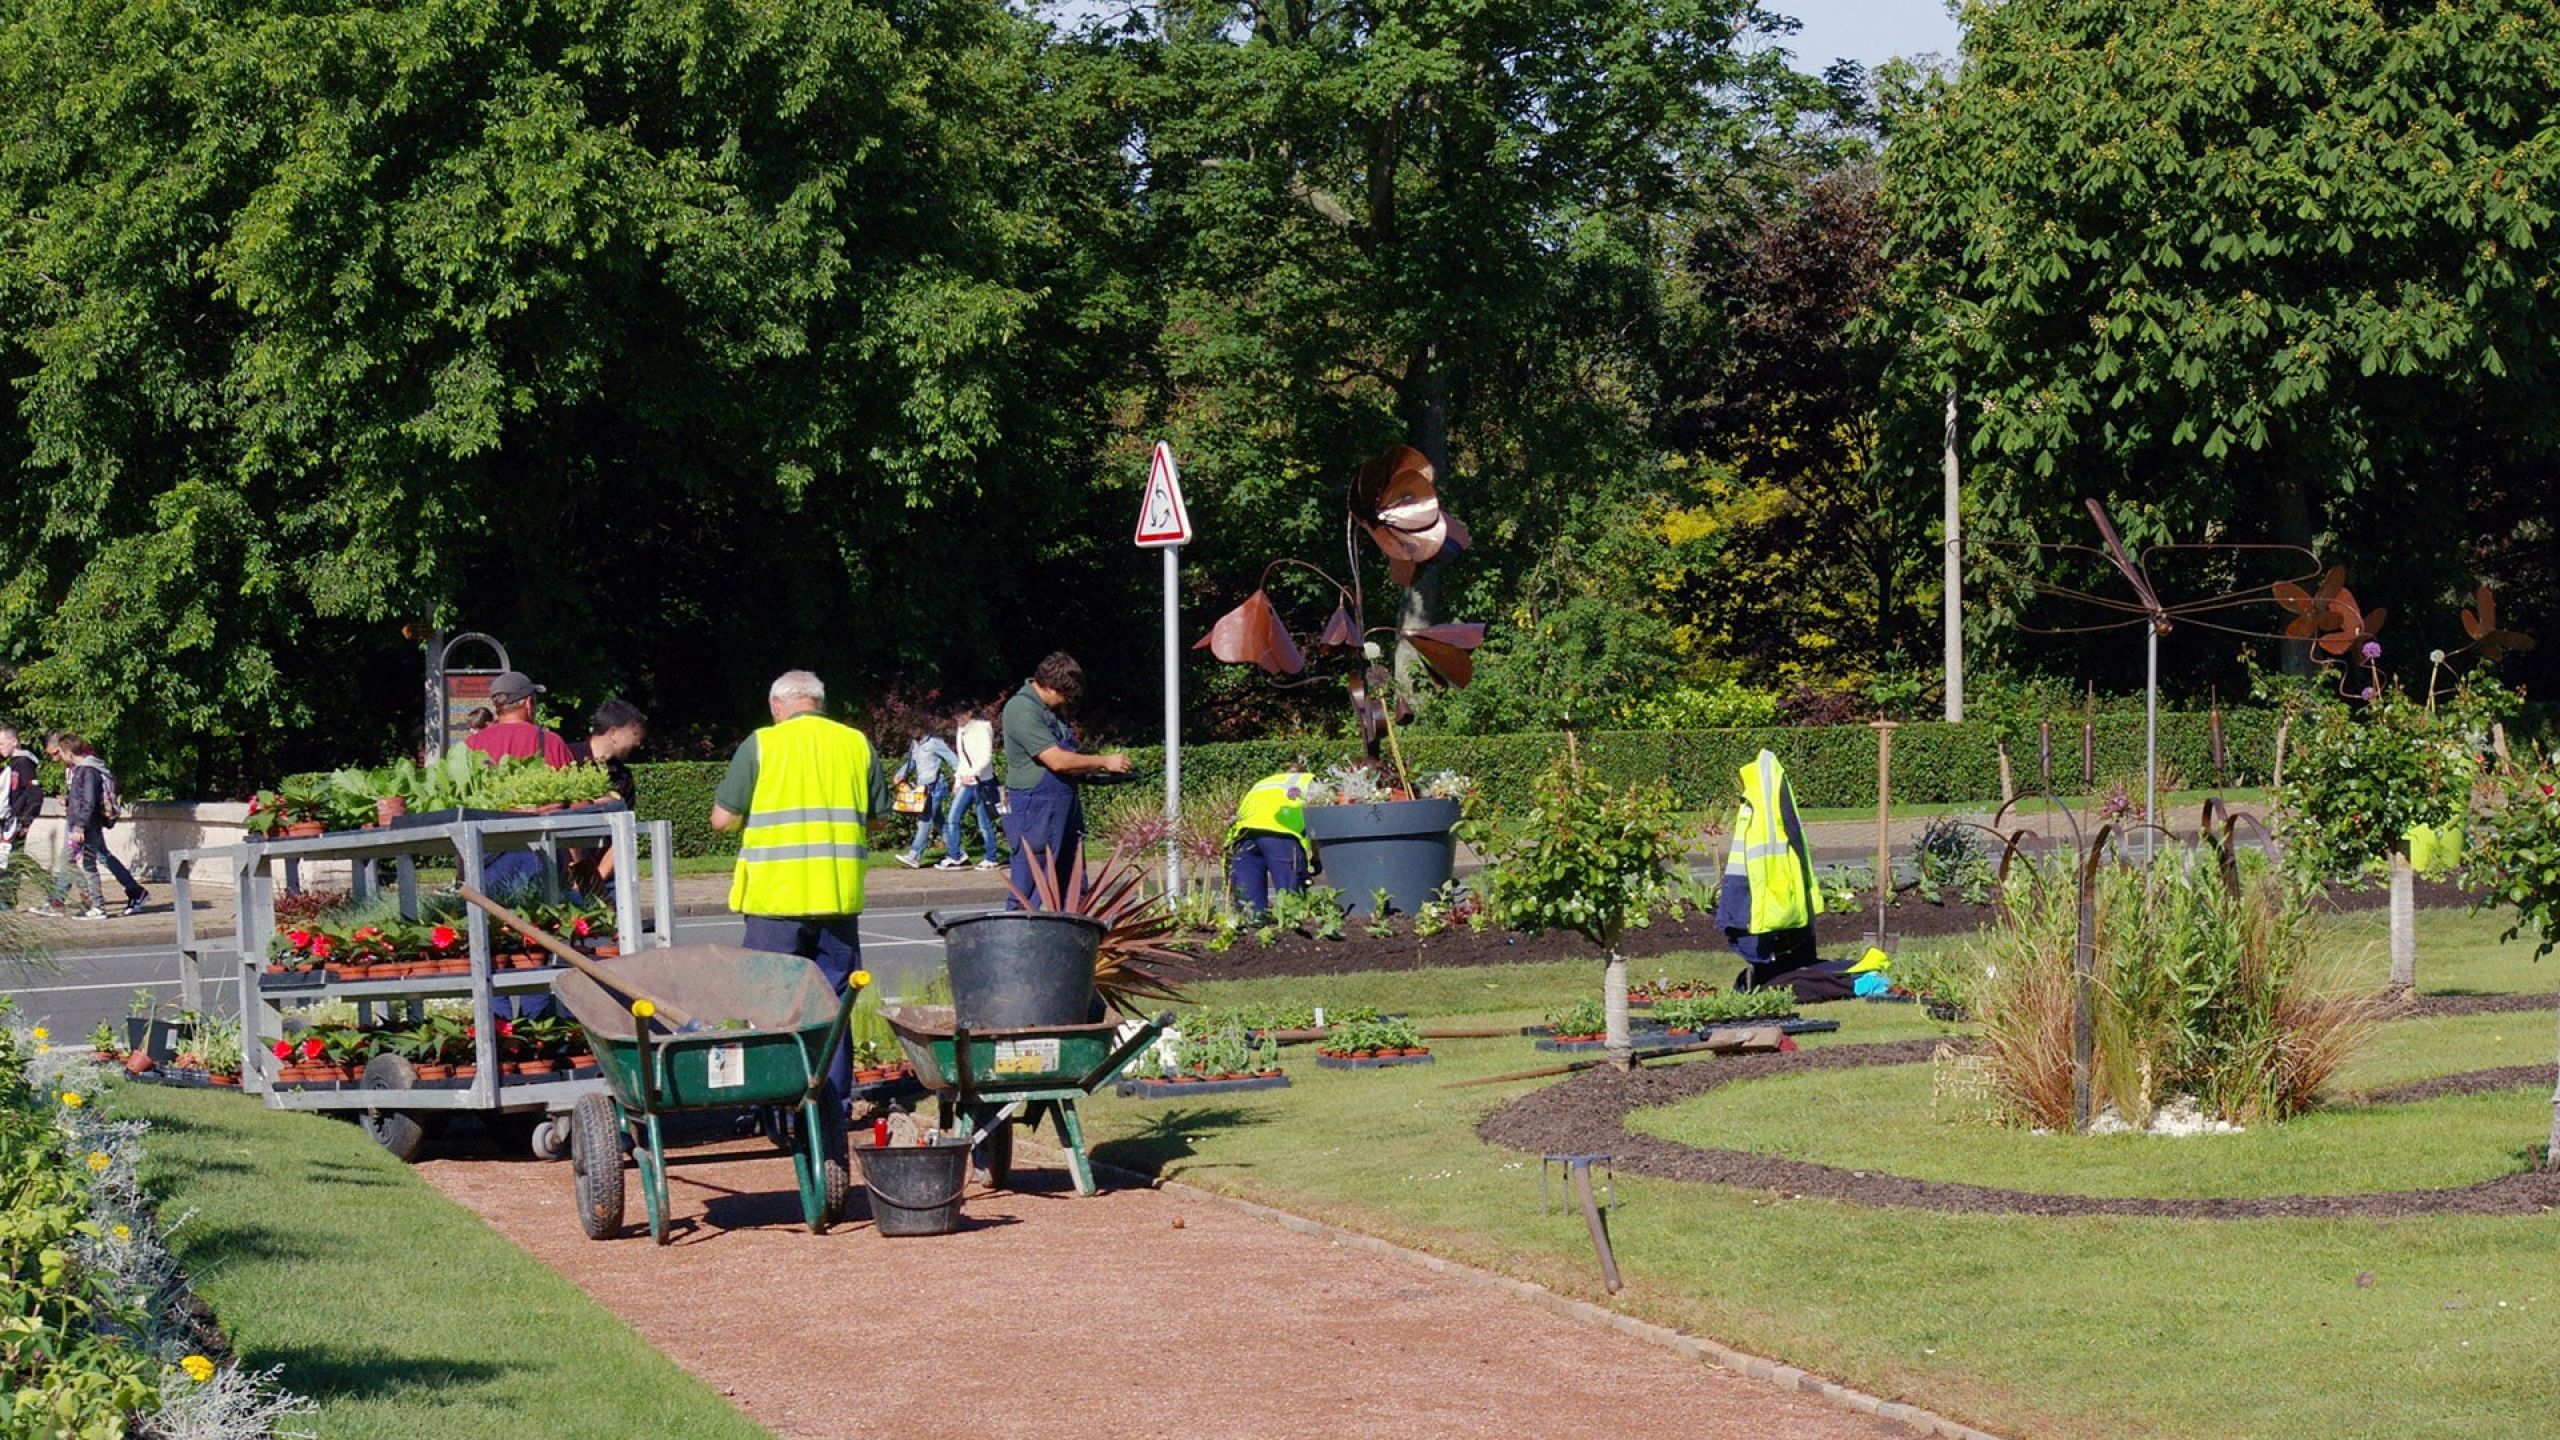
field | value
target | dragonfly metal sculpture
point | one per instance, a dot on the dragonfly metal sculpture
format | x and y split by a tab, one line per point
2326	613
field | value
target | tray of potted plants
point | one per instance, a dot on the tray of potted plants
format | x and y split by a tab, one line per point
1371	1045
1687	1016
1209	1062
1583	1025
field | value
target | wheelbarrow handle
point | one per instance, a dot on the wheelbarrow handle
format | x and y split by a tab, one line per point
853	988
669	1015
1128	1048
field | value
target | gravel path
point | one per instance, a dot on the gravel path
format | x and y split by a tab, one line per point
1133	1314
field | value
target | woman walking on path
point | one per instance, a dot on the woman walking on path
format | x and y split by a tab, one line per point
88	807
973	791
931	763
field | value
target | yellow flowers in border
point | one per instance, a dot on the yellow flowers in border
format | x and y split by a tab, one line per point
73	1100
99	1160
198	1368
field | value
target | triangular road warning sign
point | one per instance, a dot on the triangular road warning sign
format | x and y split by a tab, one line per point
1162	520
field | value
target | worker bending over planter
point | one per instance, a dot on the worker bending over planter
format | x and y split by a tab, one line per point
1268	848
1044	816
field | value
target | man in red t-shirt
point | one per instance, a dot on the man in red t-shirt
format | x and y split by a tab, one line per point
514	732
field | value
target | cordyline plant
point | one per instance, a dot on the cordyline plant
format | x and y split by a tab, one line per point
1132	962
1596	862
1395	501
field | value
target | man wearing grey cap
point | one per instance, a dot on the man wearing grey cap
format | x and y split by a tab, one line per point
514	732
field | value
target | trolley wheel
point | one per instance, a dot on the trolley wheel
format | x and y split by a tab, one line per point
595	1164
835	1165
995	1156
550	1138
398	1131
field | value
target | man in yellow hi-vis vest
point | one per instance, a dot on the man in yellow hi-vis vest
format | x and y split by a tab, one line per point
1268	845
1769	899
806	789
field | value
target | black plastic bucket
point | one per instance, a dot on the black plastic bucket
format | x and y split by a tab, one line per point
1016	969
915	1189
1402	847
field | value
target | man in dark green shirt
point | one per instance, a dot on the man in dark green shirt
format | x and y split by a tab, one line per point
1044	818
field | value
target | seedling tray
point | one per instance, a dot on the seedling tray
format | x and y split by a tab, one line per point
1372	1062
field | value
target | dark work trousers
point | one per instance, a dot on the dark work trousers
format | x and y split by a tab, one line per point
1262	863
1044	825
835	943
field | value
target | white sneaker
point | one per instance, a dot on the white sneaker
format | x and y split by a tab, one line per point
950	862
909	861
93	913
989	865
53	910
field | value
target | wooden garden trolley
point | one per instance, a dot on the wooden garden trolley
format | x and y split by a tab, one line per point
995	1079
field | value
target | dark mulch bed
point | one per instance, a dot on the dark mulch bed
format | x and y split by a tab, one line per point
1297	954
1586	1115
2428	1007
2469	1082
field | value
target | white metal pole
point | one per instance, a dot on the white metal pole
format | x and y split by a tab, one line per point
1172	720
2151	738
1953	602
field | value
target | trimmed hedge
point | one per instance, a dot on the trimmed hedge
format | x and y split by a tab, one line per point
1933	763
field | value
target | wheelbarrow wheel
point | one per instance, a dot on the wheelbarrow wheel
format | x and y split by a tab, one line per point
595	1163
398	1131
835	1164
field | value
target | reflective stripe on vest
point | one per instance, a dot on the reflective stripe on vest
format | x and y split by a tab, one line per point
1783	895
805	839
1276	805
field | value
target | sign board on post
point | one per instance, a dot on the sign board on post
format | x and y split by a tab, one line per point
1162	520
1164	524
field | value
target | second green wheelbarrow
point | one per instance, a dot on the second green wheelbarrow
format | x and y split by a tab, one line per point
760	1031
994	1079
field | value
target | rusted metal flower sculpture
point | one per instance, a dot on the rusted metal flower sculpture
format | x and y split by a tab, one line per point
2480	622
1395	501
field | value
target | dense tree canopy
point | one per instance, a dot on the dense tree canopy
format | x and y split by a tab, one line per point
2251	271
678	344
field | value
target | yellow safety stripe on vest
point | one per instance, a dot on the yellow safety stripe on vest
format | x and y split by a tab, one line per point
833	815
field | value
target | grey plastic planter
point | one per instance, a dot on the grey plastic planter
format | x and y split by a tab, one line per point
1402	846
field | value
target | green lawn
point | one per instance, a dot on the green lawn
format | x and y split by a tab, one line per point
2026	1326
401	1313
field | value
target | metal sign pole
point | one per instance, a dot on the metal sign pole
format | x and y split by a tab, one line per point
1172	720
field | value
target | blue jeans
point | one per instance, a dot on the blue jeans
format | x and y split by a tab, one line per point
1262	863
927	822
835	943
981	798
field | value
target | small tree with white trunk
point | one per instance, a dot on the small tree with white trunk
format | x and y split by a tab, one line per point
1594	861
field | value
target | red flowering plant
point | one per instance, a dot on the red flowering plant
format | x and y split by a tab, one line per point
291	947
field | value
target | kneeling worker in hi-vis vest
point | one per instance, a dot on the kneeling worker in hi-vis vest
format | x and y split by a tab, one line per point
1268	841
1769	899
807	790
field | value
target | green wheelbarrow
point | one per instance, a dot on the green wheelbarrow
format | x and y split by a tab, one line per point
765	1028
994	1079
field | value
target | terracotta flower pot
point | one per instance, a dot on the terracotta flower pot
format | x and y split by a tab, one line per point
466	1072
389	808
303	830
582	1060
537	1067
223	1079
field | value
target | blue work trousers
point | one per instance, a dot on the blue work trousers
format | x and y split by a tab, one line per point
1262	863
1044	826
835	943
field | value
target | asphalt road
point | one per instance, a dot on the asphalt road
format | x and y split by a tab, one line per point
84	987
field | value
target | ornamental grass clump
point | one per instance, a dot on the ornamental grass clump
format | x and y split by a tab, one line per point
2204	984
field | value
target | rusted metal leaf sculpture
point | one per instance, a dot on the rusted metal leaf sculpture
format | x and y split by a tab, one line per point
1365	685
1341	632
1448	650
2314	613
2354	625
1252	634
2480	622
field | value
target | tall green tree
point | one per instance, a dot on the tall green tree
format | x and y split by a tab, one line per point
2254	270
1441	223
624	329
